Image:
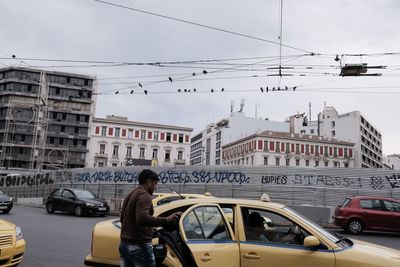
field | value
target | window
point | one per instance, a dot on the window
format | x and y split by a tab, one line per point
287	162
391	206
129	151
114	164
102	149
180	140
167	155
155	153
316	163
333	124
277	161
333	133
117	132
180	155
156	135
62	128
100	164
267	227
143	135
168	137
205	222
142	152
326	163
302	131
307	162
115	150
370	204
130	133
297	162
103	130
67	194
346	165
265	160
218	137
312	131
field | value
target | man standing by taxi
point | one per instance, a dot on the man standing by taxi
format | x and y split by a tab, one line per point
138	222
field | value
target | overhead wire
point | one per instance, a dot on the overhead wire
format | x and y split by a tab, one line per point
201	25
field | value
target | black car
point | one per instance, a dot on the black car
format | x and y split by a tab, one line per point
6	203
77	201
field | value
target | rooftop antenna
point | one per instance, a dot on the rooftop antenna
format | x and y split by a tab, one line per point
309	110
232	104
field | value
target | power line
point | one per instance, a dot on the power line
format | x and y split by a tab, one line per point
201	25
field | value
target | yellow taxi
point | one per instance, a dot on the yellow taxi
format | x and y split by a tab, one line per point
239	232
12	245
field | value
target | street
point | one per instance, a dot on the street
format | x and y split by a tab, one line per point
53	239
64	240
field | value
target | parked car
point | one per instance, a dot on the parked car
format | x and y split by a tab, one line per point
6	203
204	236
356	214
12	244
77	201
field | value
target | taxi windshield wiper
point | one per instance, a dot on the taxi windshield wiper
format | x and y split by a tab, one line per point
343	239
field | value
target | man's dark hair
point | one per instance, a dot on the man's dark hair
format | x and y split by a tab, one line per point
146	175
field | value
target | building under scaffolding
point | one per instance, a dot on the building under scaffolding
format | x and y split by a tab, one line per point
44	118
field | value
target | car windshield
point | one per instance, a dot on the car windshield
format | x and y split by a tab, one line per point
320	229
84	194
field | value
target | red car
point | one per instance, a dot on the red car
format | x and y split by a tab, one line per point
356	214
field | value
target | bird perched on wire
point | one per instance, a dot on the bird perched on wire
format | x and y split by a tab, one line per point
205	72
145	92
132	91
170	79
140	85
262	90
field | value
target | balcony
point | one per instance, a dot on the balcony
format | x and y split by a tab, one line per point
179	162
101	155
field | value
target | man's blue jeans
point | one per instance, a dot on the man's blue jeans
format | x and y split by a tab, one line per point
137	255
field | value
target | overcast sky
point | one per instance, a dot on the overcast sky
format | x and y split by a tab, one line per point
88	30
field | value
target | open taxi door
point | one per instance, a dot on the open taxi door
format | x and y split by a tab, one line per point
209	236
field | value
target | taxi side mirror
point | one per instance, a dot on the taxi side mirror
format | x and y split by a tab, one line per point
311	242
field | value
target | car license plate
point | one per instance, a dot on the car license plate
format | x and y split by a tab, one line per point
3	207
100	209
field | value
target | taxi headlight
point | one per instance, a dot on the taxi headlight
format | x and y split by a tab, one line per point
89	204
18	233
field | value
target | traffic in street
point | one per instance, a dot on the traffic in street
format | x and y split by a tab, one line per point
64	239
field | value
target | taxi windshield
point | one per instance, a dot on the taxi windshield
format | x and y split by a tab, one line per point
317	227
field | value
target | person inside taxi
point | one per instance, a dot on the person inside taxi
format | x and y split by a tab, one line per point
256	231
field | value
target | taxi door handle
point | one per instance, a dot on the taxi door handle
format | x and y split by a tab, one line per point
252	256
206	257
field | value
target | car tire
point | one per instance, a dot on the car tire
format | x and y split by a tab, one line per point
50	207
78	211
354	226
6	211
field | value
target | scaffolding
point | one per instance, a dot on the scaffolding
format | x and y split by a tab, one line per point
31	116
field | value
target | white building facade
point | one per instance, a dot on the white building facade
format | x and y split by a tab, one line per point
288	149
206	146
393	161
115	141
350	127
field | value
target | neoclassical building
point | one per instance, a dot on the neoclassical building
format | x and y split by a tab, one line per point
288	149
116	141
